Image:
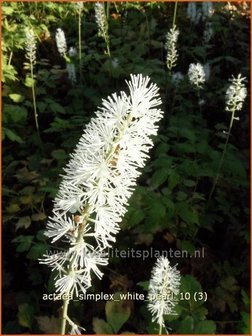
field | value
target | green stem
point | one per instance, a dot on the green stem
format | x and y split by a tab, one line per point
174	14
107	14
64	314
222	157
80	57
108	48
10	58
34	98
66	299
160	329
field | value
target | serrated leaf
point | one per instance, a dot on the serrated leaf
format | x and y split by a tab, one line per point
37	251
159	177
246	322
186	326
191	285
17	98
25	315
117	312
38	216
24	243
101	327
23	222
187	213
144	284
12	136
29	82
7	10
205	327
13	208
49	325
59	154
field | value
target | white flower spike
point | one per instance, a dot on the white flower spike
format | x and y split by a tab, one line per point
171	47
30	46
196	75
236	94
61	42
98	182
101	19
163	289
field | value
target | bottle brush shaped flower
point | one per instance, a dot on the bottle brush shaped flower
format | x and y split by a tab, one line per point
30	55
98	182
171	47
196	74
102	23
235	96
163	289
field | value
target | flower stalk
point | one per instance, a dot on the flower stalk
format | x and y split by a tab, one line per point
235	96
98	182
163	289
102	23
30	46
79	7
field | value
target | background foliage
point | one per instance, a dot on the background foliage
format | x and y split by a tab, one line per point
169	208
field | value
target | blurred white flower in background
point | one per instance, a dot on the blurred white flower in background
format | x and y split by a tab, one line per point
236	94
193	14
72	52
71	73
177	77
171	47
196	75
61	41
101	19
207	9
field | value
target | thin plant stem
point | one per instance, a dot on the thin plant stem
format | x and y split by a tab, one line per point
222	156
80	56
107	14
64	314
174	14
108	48
34	98
10	58
106	34
160	329
66	297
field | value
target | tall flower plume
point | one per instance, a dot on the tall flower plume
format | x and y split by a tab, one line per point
98	182
236	94
171	47
101	19
163	289
61	42
102	23
30	45
196	74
